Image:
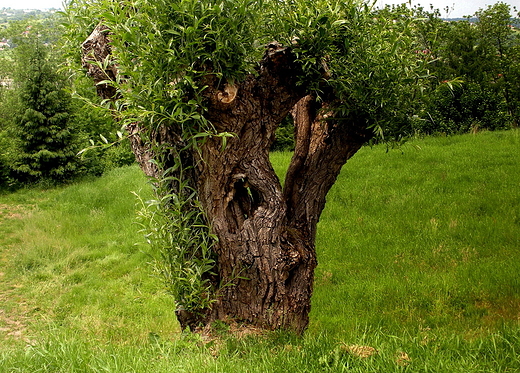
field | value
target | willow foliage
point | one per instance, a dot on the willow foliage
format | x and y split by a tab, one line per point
162	49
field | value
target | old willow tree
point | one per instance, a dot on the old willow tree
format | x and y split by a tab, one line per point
201	86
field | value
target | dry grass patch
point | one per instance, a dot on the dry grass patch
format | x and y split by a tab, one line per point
359	351
13	211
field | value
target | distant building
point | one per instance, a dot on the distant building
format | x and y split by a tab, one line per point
7	83
4	44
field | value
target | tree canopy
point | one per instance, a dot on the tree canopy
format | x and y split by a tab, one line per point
164	49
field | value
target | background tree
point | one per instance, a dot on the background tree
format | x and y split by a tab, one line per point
42	127
202	87
500	38
472	61
46	149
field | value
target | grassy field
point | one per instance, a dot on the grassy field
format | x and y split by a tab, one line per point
419	271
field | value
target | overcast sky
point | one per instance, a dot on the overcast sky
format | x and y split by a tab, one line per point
458	8
31	4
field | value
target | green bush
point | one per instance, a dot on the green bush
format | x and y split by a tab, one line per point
456	109
4	168
8	142
284	139
93	125
101	160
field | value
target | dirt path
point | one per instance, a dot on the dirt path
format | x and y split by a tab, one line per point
14	309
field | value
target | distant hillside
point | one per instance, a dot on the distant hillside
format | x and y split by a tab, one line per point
514	21
9	15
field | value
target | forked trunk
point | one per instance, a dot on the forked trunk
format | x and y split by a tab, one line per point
266	265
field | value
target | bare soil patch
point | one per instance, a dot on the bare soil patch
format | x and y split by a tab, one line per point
13	316
12	211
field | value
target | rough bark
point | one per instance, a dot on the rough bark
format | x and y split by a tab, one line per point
323	146
96	59
265	249
243	199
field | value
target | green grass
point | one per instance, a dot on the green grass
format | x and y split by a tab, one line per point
71	255
419	258
428	236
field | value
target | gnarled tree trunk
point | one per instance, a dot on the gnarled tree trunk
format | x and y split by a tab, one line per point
266	233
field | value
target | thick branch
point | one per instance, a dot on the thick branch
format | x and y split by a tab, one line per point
259	105
323	146
274	88
97	60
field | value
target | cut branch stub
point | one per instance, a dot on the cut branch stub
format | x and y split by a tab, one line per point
228	94
96	58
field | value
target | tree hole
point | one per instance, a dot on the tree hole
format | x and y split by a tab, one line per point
247	198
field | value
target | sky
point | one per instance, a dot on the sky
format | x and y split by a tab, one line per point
31	4
458	8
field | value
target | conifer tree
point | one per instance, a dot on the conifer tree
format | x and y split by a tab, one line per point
42	122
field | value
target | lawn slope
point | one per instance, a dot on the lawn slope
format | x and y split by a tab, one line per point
419	271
